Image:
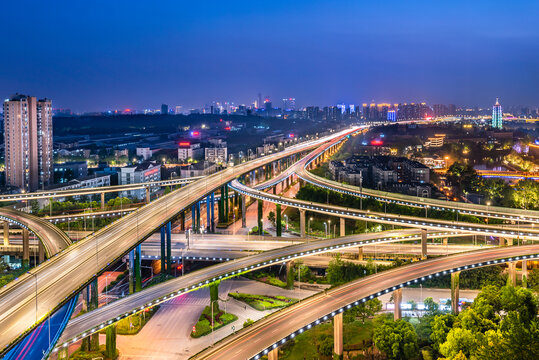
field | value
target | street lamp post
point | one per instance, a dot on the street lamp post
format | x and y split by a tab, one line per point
309	225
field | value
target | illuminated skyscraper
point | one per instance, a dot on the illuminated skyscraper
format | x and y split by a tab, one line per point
289	104
497	116
28	142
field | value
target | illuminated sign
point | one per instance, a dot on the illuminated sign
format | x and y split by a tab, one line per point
185	144
376	142
195	133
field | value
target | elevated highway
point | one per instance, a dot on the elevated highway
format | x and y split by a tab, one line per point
300	169
262	337
55	281
53	239
95	320
51	194
505	231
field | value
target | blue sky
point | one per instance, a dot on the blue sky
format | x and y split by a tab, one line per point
136	54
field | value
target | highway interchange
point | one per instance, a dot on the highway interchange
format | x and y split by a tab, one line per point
58	278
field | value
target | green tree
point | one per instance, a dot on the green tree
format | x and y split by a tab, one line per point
397	339
326	346
459	340
441	326
271	217
526	194
363	310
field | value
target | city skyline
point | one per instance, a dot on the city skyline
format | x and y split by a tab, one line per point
319	53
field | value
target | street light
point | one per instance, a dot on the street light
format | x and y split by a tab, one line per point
329	225
309	224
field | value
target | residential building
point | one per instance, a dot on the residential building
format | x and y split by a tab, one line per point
70	170
141	173
28	142
144	152
188	151
216	155
203	168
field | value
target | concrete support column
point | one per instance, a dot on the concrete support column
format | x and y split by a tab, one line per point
169	247
501	241
278	224
337	334
273	354
198	215
131	271
182	220
524	273
41	252
455	286
302	223
25	249
274	188
260	222
147	195
102	201
342	226
423	244
226	203
243	212
444	241
289	277
512	269
6	233
163	251
397	300
360	253
138	275
212	213
208	213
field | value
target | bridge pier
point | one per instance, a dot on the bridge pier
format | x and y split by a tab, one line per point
212	213
302	223
360	253
110	345
6	233
524	273
147	195
163	251
273	354
342	226
138	275
423	244
131	271
455	287
260	222
243	212
337	335
182	220
102	201
226	209
41	252
208	213
278	224
290	274
25	249
512	269
198	215
397	300
169	247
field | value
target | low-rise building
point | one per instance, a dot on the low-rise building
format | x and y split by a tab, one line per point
144	152
137	174
188	151
202	168
216	155
70	170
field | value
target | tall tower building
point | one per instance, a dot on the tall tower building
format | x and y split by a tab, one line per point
28	142
497	121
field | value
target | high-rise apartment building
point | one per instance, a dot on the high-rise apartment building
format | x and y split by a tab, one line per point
28	142
497	115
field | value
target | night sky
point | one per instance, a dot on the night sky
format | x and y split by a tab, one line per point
98	55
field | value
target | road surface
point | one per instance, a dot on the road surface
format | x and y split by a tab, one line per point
275	330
